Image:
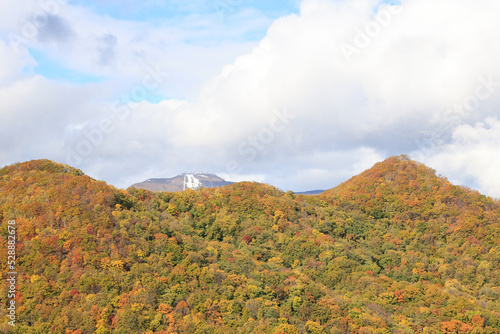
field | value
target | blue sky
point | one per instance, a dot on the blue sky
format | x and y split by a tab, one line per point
300	94
51	69
160	10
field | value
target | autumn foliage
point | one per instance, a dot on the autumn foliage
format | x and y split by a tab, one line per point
395	249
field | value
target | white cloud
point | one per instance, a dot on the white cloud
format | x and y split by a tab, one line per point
343	114
16	63
35	113
328	170
473	157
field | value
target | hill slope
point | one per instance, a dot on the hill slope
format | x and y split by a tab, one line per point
399	185
381	253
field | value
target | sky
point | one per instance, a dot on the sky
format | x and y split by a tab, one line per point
299	94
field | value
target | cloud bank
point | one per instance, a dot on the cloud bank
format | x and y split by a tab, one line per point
324	95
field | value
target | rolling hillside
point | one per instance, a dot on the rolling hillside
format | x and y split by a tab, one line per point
395	249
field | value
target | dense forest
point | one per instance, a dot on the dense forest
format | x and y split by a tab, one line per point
396	249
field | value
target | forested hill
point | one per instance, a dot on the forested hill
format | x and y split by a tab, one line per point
396	249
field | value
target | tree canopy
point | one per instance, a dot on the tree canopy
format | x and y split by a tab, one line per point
396	249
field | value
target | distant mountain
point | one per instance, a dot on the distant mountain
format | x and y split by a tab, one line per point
310	192
182	182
